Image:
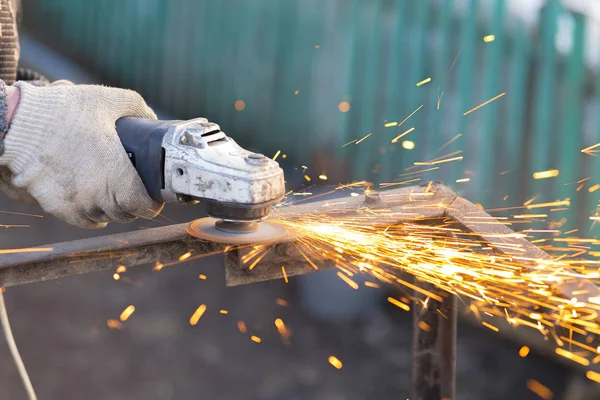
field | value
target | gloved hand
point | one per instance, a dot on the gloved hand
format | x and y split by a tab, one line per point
63	152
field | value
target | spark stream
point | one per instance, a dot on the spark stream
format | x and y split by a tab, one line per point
522	291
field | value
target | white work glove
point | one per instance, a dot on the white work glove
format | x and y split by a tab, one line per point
62	151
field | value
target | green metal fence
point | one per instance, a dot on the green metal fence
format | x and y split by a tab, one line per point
296	63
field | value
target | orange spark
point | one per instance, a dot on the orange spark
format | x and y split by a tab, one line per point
344	106
335	362
114	324
26	250
281	302
551	173
398	303
572	356
424	81
127	313
410	115
484	104
593	376
359	141
524	351
158	267
394	140
348	281
424	326
197	314
490	326
239	105
539	389
587	149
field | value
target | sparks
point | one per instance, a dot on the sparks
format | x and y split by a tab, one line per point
490	326
197	314
285	277
406	132
158	267
239	105
114	324
281	302
572	356
255	339
424	81
439	161
127	313
539	389
344	106
27	250
348	281
408	144
588	149
593	376
359	141
484	104
551	173
507	284
410	115
398	303
335	362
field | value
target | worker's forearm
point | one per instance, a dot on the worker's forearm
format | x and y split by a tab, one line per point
9	42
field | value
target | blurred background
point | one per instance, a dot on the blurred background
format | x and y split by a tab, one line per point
305	78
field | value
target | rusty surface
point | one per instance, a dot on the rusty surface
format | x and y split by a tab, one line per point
434	347
166	244
158	245
405	207
435	352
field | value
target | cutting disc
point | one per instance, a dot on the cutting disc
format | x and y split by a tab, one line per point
204	228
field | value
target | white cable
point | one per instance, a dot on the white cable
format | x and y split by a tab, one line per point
14	350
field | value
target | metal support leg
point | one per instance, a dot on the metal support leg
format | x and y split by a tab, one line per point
434	348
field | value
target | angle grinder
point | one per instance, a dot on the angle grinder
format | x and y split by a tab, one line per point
193	161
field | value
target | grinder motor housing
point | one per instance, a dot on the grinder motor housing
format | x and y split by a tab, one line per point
188	161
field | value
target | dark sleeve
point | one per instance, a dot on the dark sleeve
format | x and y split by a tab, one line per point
9	41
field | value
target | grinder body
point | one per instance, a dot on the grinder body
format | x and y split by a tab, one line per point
187	161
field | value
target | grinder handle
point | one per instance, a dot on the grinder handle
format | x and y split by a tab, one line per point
142	140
